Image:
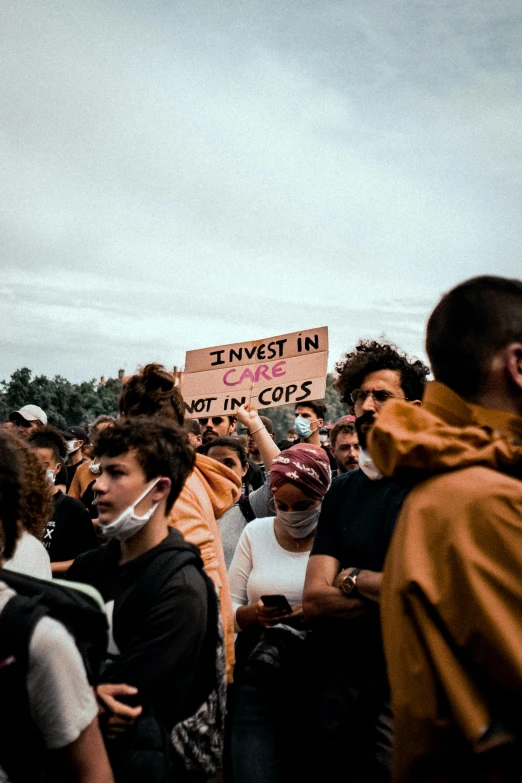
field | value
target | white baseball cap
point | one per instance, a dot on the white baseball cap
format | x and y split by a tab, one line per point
30	413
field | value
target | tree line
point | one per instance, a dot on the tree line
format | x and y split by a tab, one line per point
68	404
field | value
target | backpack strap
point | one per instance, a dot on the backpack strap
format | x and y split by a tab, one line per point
246	508
154	578
18	620
17	623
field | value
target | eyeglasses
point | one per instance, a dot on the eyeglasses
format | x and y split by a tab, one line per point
379	396
216	420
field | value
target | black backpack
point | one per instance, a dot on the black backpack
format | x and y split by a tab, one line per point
198	739
22	751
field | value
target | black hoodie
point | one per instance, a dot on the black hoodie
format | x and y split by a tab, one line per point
159	623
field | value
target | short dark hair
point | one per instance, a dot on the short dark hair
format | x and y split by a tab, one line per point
161	447
103	419
318	407
229	443
49	438
469	325
341	428
153	391
10	494
371	356
269	424
193	426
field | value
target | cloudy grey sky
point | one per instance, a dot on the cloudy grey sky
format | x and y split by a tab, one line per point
184	173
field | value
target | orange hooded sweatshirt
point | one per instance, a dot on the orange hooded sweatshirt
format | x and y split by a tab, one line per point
208	492
451	599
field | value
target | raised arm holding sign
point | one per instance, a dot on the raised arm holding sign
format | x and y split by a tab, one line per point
265	373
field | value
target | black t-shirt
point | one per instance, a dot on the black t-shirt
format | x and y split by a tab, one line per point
357	520
356	524
71	470
61	479
70	530
88	501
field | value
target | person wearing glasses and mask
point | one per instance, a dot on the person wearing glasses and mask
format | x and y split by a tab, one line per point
343	580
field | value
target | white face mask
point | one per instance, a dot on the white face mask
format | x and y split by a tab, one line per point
129	523
94	467
368	467
50	475
299	524
72	446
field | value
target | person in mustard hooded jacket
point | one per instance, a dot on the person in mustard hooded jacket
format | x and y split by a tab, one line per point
451	599
208	492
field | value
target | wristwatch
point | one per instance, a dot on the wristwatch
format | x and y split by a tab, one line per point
349	583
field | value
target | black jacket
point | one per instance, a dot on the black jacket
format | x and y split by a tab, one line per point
167	649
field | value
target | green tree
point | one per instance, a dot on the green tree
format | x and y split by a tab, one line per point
65	403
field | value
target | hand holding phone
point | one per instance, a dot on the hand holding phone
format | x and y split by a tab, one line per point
279	602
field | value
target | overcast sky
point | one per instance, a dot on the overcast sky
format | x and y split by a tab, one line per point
179	174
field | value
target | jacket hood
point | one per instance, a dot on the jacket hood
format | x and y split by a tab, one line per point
222	485
410	443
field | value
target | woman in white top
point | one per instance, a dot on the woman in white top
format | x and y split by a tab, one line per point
270	560
36	503
30	558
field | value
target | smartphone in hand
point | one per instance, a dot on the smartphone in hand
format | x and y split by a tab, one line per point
277	602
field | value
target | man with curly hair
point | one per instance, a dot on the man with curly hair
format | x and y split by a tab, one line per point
342	588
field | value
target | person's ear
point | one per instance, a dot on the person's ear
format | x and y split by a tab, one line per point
161	490
245	470
233	425
416	402
199	441
321	423
513	360
58	467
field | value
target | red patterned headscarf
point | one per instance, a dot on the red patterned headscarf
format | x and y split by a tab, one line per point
304	465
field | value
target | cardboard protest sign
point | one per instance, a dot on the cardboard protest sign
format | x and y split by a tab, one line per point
265	373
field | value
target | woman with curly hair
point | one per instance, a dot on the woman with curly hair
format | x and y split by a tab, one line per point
36	505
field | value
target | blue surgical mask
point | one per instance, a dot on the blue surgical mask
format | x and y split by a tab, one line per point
302	426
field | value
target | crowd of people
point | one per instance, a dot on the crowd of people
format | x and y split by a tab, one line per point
211	600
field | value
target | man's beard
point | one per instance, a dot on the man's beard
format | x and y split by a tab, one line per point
349	466
207	436
362	433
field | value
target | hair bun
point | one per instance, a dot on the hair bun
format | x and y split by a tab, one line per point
152	392
156	377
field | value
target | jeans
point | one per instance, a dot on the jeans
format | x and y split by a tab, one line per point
268	733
